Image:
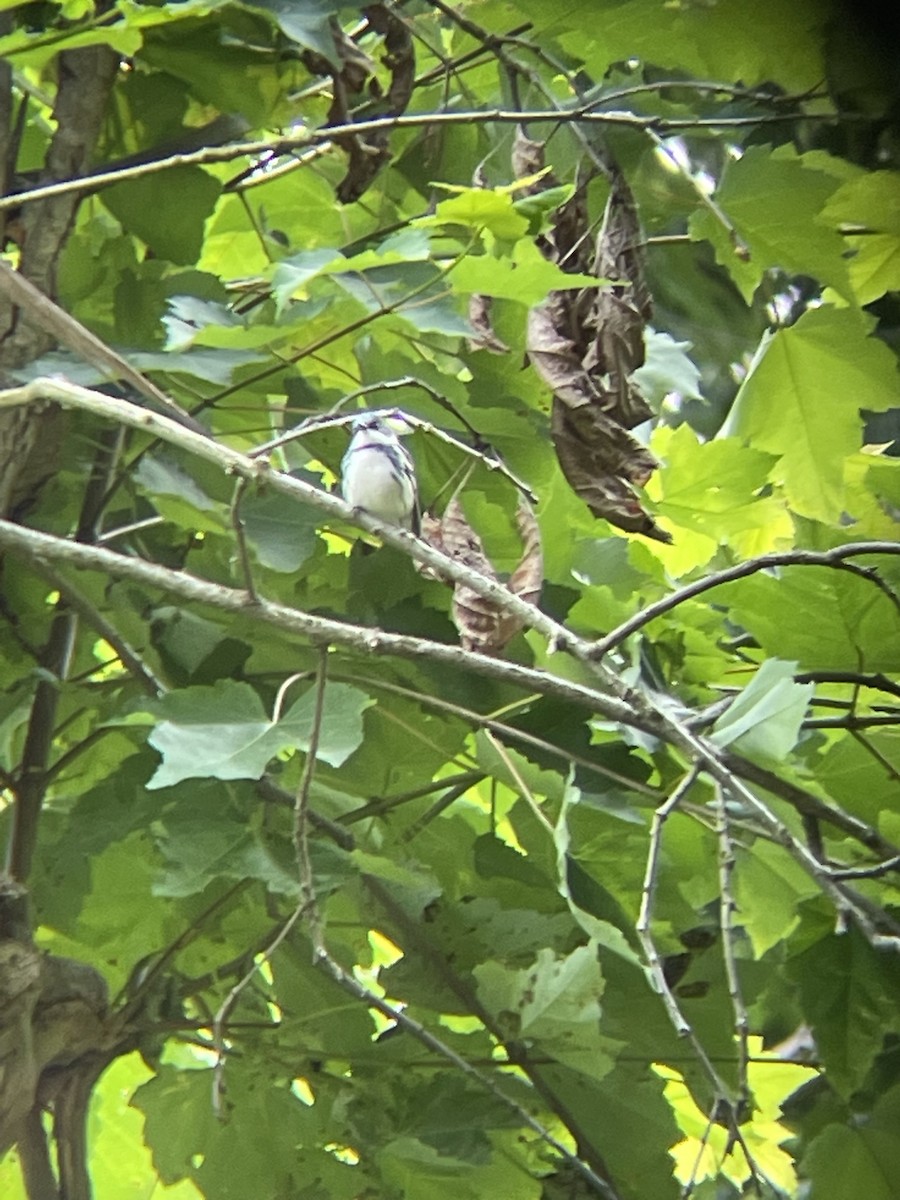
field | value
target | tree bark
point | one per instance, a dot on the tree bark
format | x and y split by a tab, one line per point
29	441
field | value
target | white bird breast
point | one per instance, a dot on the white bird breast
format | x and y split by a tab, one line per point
377	477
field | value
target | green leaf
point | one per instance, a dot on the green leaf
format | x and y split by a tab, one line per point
822	618
525	277
306	22
283	534
769	887
222	732
802	401
555	1002
870	202
30	48
480	209
201	846
212	366
726	40
667	369
710	493
847	992
291	275
791	235
117	1139
593	907
178	495
416	292
764	720
858	1159
167	211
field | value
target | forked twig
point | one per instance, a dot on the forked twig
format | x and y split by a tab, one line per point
644	926
727	907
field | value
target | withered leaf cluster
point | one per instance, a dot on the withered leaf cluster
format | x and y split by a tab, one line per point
367	153
587	343
484	626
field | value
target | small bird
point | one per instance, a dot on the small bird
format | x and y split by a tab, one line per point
378	475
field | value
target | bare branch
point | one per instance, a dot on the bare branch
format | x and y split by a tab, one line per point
809	805
308	899
244	466
79	602
265	148
78	338
644	929
727	907
789	558
240	536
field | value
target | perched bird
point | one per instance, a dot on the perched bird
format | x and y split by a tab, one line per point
378	475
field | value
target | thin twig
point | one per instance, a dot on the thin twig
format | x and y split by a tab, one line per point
227	1005
727	907
877	681
487	455
323	959
450	796
458	784
131	999
643	929
789	558
79	602
524	790
404	1021
240	536
308	900
269	147
809	805
851	722
738	245
890	768
509	732
876	871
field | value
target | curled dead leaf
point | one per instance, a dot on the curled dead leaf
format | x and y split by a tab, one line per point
480	320
527	579
484	626
366	153
601	462
586	345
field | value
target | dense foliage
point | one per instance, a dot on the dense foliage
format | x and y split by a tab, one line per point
315	890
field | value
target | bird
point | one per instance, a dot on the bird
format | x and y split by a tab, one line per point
378	475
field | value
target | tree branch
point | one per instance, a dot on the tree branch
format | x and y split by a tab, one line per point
366	640
69	332
789	558
254	471
808	805
268	147
31	781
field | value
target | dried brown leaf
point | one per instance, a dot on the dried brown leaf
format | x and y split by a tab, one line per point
619	313
483	625
431	532
528	577
601	462
480	319
367	153
586	346
477	619
528	159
